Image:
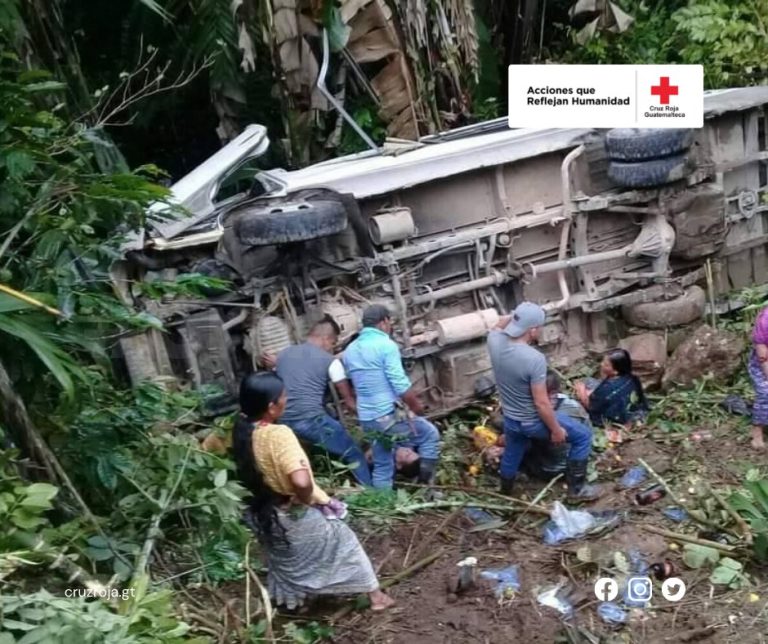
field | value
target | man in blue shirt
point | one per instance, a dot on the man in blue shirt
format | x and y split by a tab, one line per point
374	366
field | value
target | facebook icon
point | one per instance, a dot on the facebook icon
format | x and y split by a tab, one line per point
606	589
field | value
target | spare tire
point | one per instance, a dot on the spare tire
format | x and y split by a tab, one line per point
632	144
646	174
685	309
285	223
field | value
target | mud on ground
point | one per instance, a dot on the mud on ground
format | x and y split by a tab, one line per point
427	612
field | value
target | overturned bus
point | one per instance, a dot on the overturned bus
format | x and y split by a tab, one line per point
609	230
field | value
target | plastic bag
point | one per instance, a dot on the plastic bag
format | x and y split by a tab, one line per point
612	613
554	598
484	437
604	520
572	523
636	562
736	405
478	516
334	510
634	477
507	580
678	515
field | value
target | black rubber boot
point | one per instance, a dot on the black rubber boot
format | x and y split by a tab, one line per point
427	467
576	477
507	485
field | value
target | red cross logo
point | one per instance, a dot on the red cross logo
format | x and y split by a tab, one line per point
664	90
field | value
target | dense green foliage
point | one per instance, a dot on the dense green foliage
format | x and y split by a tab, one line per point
61	212
728	38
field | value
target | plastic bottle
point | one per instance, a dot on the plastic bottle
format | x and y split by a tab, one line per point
663	569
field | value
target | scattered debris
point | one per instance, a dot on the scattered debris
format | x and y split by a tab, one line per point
651	495
507	580
707	351
490	525
638	563
555	597
663	569
484	437
634	477
612	613
678	515
478	516
714	537
574	524
569	524
736	405
466	577
686	538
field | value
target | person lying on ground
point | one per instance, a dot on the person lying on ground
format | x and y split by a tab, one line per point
306	369
309	552
387	405
617	398
521	371
406	462
758	372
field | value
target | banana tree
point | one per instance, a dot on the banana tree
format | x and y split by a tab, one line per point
415	62
601	15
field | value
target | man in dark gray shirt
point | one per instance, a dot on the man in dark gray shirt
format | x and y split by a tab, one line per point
521	374
306	370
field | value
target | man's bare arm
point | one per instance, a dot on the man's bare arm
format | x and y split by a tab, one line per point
411	399
347	395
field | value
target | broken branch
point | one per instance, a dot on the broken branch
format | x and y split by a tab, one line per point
538	498
403	574
265	601
432	505
692	513
743	526
676	536
474	492
426	543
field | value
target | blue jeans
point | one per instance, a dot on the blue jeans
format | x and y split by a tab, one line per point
517	436
385	434
329	433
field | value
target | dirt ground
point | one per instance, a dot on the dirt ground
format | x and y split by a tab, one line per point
427	612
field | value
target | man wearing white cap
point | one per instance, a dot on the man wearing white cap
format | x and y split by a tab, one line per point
521	375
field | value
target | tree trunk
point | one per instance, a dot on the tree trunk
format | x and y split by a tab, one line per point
17	421
16	418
